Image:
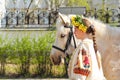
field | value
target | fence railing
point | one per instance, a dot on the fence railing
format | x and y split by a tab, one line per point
106	15
14	18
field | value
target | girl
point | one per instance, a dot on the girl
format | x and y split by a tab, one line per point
89	64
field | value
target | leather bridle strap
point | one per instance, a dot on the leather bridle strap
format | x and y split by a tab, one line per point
58	48
68	40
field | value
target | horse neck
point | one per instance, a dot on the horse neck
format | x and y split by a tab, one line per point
106	35
105	32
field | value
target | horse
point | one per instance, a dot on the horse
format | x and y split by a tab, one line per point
64	43
107	39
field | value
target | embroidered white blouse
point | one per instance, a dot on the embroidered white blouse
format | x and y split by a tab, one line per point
96	73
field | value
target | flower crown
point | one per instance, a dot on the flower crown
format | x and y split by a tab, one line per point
77	22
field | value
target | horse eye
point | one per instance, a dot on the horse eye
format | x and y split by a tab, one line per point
62	35
65	26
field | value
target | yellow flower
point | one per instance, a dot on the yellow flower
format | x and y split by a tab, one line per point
73	18
77	22
83	28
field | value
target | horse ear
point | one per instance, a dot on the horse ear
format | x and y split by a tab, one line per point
64	18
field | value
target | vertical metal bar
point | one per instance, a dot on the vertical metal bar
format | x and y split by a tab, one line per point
6	20
49	19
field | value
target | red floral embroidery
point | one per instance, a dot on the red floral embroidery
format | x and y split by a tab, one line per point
86	60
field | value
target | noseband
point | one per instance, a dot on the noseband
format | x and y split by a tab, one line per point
70	36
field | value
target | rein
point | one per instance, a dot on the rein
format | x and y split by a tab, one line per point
70	36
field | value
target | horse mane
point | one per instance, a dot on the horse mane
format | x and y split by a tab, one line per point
107	37
105	31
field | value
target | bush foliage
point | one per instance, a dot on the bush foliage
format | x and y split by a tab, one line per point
26	56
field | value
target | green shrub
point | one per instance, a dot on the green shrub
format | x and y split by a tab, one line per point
28	53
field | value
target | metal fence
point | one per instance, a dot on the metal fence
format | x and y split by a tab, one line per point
46	18
14	18
107	15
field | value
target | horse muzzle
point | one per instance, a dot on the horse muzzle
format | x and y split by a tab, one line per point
56	60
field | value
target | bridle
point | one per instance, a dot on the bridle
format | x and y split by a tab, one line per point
70	36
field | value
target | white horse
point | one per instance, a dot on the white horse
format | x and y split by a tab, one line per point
107	39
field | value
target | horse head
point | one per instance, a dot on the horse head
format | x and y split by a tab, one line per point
65	40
